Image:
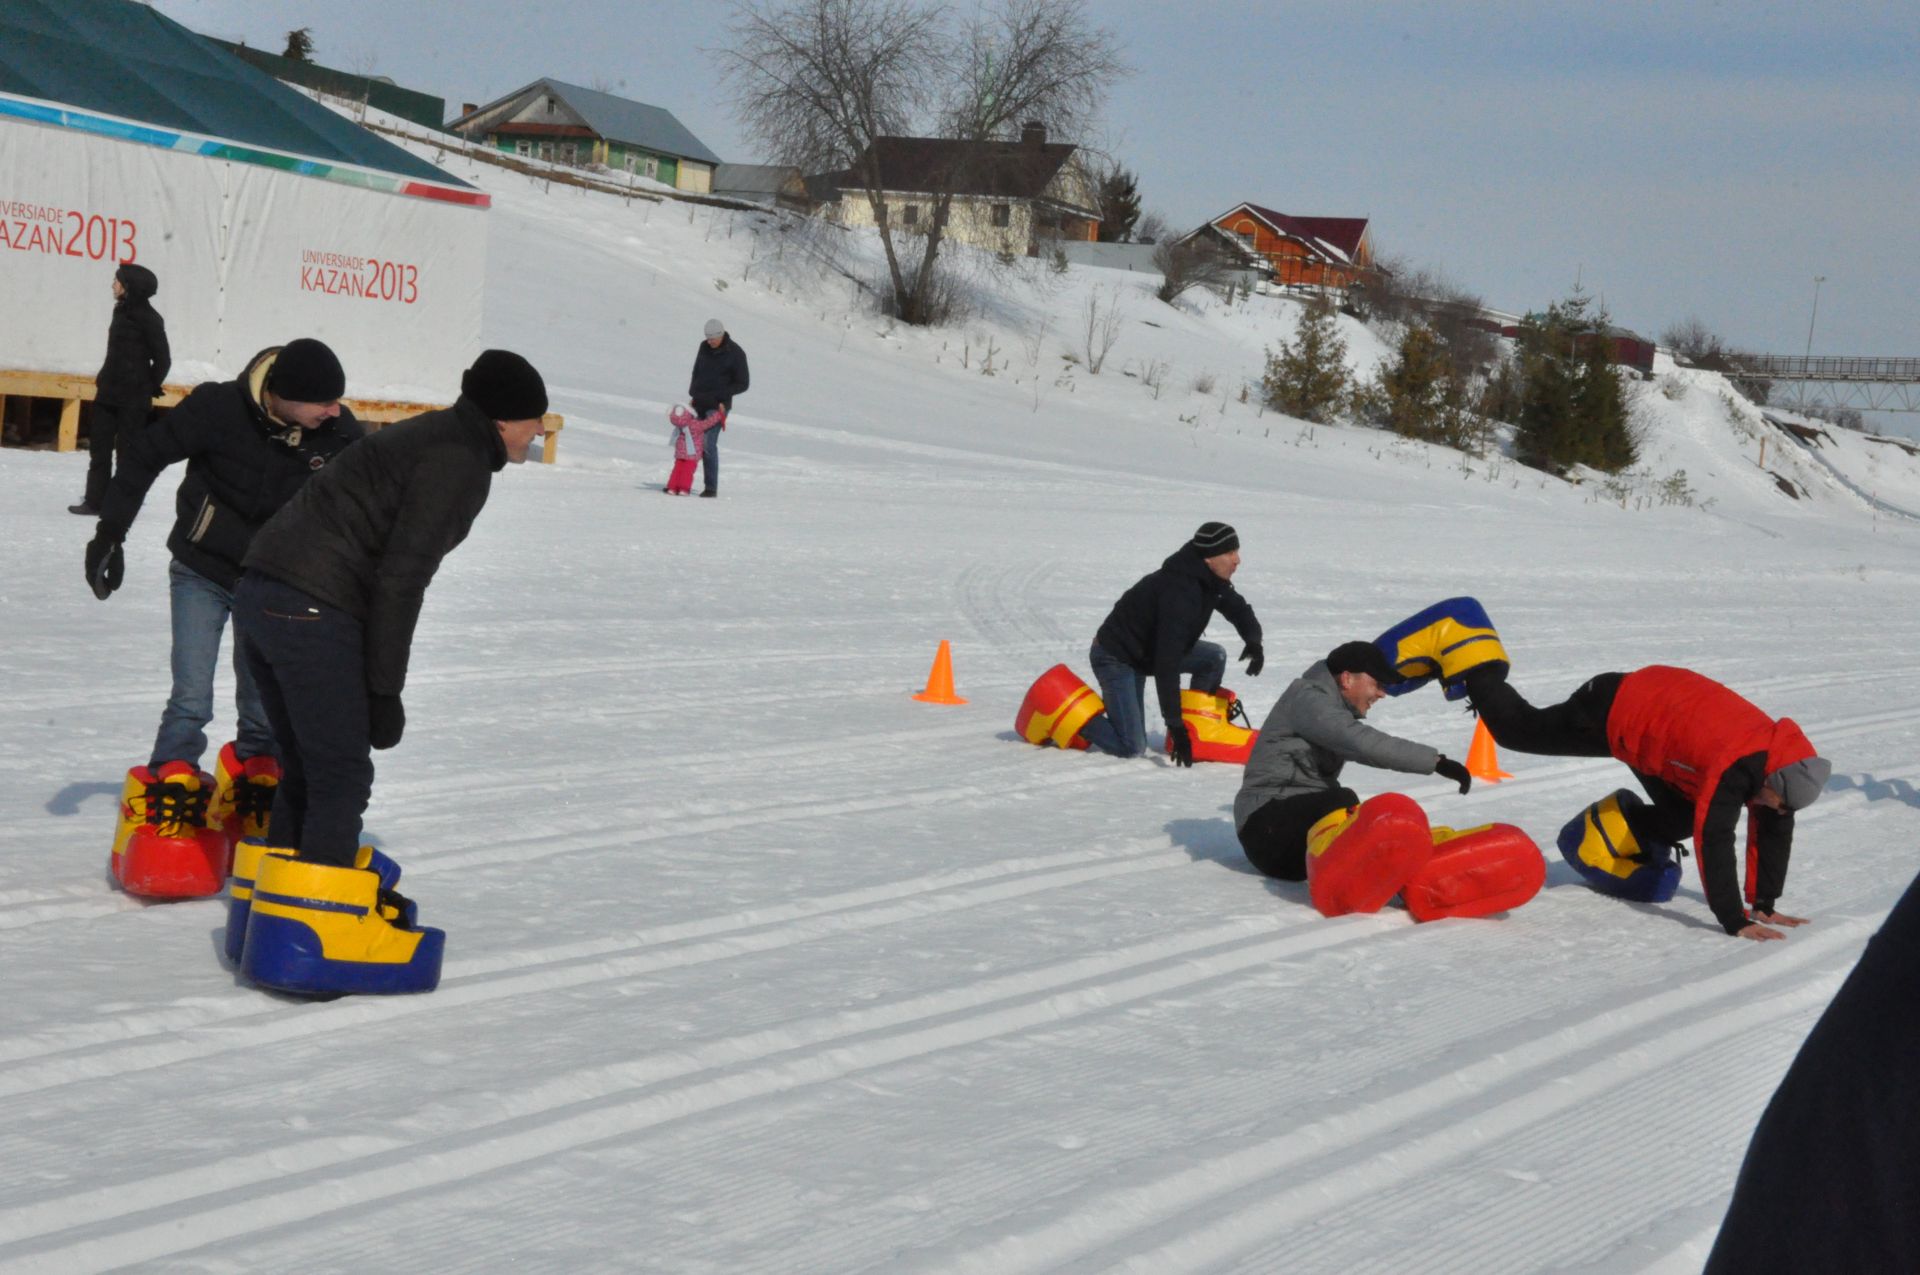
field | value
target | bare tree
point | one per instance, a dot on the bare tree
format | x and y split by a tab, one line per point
820	82
1103	328
1692	341
1152	228
1193	263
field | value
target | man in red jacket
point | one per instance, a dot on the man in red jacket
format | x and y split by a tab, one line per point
1702	753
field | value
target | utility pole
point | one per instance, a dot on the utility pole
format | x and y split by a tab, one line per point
1817	281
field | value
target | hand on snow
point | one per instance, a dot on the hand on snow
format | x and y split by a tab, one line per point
386	720
1778	918
1255	657
1447	768
106	564
1182	742
1757	932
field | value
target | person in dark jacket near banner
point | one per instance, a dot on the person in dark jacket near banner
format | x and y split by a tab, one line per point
1292	779
719	373
1702	753
334	584
1831	1181
130	377
1155	630
249	444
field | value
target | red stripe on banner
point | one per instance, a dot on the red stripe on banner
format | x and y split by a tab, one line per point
471	198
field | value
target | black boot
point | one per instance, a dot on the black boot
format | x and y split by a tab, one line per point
84	509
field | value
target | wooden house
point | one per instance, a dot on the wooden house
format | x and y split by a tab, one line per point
566	124
1295	252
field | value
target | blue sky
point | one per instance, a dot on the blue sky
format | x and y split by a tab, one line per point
1677	158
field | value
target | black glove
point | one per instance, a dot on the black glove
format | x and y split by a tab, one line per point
1453	770
1182	742
1255	656
385	720
106	564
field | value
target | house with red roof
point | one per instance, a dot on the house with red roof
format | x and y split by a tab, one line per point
1314	252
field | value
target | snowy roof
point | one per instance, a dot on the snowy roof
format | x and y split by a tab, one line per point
1336	238
994	170
754	179
130	62
617	119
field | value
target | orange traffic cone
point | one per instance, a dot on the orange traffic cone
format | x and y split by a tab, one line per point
940	679
1483	759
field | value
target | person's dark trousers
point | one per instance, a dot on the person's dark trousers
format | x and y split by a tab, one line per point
1275	836
307	661
111	426
1831	1181
709	450
1576	728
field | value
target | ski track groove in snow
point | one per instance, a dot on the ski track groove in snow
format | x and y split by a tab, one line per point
1104	1221
738	1069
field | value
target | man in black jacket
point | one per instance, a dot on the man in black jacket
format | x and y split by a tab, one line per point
1154	630
333	587
130	376
249	444
719	372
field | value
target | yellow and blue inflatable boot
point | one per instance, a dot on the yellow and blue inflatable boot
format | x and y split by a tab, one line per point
242	795
1217	725
1601	845
247	857
1443	641
315	929
1057	705
162	848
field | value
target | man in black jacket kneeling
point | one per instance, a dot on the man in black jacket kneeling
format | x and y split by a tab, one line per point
333	587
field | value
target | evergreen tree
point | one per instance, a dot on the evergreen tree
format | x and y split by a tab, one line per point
1307	377
1119	206
299	45
1573	410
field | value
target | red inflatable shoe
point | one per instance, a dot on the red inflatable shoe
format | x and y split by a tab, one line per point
1357	859
242	796
173	854
1476	872
1056	707
1217	726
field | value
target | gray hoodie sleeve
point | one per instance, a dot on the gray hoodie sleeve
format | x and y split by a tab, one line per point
1332	726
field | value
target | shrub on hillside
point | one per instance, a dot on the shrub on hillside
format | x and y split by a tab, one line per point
1307	377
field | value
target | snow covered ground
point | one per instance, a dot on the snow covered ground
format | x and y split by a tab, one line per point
757	964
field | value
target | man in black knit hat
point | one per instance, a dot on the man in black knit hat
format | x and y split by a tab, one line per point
250	444
1155	630
333	588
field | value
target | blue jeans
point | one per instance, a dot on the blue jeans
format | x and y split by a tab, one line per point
309	660
1122	729
710	460
200	609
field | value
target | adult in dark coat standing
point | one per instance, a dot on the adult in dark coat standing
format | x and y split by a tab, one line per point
333	587
1155	630
719	373
130	376
1831	1181
249	444
1702	753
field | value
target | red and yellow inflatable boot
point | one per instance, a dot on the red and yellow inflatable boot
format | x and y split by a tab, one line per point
243	794
1358	858
1217	725
316	929
163	848
1475	872
1056	707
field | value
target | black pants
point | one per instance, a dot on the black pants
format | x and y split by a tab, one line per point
1275	837
307	660
107	432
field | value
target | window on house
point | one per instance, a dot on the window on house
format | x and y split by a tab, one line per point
523	147
912	215
569	153
652	167
546	150
1003	214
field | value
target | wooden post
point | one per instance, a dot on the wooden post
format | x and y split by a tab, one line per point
550	448
1763	452
69	438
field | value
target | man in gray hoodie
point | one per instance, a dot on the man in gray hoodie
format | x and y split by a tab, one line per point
1292	779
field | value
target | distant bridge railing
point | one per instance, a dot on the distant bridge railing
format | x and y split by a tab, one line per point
1834	380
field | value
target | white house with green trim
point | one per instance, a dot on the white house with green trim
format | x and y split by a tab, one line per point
566	124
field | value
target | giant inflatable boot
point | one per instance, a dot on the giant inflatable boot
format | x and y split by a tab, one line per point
1211	725
1443	641
1360	857
247	858
1056	707
242	795
1602	847
315	929
1476	872
162	848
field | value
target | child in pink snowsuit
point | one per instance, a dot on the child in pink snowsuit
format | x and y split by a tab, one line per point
689	436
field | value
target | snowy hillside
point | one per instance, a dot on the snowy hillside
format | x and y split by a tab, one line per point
756	964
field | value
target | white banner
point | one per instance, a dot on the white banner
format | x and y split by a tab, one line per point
247	256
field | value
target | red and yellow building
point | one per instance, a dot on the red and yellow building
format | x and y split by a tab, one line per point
1313	252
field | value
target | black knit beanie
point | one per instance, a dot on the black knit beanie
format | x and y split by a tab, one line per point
1362	657
1214	539
505	387
306	371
